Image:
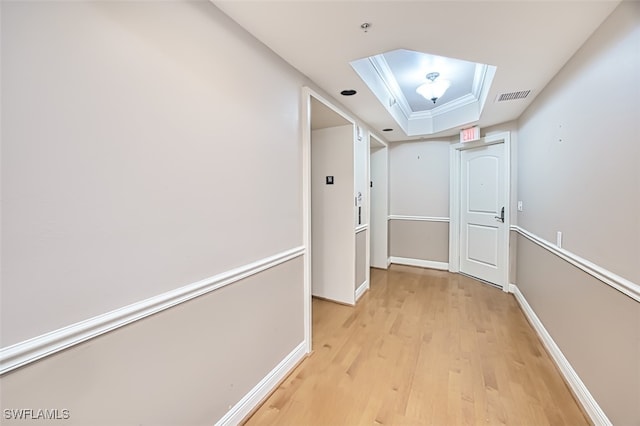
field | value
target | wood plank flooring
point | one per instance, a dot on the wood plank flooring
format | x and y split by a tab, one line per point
423	347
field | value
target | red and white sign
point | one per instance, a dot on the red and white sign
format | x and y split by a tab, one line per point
470	134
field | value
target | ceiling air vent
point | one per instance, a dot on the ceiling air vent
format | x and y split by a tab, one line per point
512	96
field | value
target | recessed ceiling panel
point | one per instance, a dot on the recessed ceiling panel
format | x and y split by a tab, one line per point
394	77
411	68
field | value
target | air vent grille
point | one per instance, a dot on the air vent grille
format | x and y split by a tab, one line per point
512	96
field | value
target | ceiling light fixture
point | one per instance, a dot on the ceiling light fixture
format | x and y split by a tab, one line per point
433	89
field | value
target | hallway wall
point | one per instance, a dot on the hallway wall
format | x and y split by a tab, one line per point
139	156
578	173
143	165
419	202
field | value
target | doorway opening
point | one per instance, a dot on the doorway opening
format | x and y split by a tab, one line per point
335	206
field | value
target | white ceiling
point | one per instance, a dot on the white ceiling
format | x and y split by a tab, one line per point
528	41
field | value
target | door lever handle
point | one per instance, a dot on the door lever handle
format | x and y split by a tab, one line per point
501	217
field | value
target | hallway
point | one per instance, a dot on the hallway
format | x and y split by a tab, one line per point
423	347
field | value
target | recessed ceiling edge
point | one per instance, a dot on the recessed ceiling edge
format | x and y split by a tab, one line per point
379	78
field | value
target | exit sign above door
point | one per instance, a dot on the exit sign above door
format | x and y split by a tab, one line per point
470	134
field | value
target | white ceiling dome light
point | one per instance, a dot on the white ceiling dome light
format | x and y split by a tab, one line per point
432	89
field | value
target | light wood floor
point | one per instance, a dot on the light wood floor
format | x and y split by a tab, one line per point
423	347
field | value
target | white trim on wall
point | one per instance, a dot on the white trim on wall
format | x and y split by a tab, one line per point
361	228
419	218
261	391
621	284
31	350
588	402
306	93
454	210
362	289
443	266
306	211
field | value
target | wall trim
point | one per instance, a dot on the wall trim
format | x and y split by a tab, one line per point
362	289
361	228
621	284
263	389
419	262
588	402
419	218
31	350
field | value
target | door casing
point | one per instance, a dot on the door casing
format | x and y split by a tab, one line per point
454	201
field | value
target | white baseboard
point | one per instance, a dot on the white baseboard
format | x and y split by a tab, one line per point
443	266
419	218
361	290
262	390
588	402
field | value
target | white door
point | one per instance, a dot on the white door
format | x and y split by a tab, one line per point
482	210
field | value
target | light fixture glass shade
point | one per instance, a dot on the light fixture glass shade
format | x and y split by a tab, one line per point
432	90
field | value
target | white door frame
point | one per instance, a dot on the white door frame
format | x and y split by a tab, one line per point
384	212
454	200
307	93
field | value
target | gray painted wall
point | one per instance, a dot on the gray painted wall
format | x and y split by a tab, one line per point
578	157
140	154
128	167
419	186
184	366
579	152
332	214
420	240
596	327
419	178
